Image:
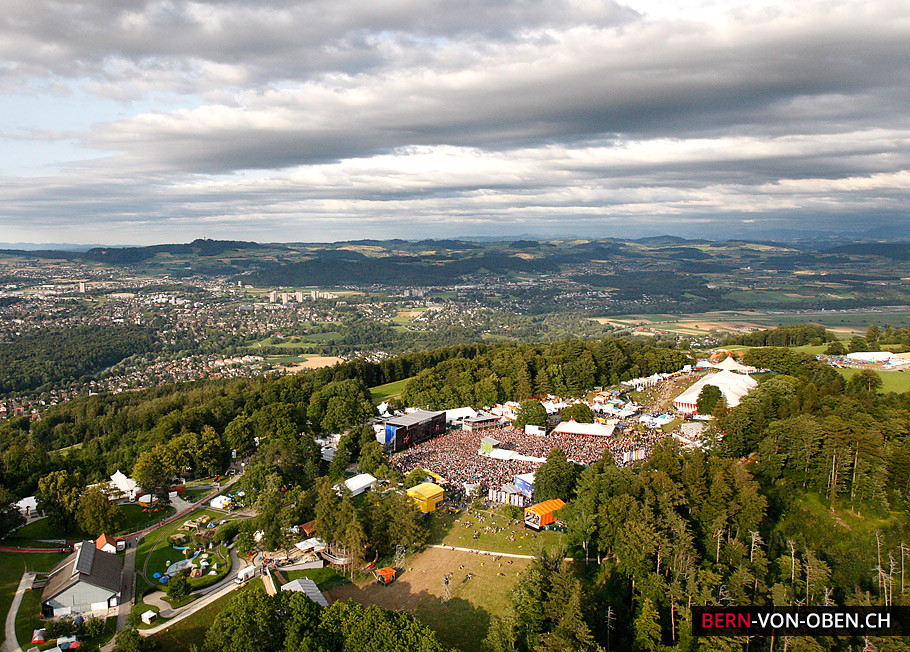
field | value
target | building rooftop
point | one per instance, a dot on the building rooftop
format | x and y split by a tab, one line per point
413	418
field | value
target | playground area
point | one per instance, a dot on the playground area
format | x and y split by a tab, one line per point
479	587
181	545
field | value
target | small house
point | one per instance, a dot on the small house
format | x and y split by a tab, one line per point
106	543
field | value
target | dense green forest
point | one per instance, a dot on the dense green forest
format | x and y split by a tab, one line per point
802	502
795	335
112	431
798	496
49	356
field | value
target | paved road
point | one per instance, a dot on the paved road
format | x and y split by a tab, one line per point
10	644
127	583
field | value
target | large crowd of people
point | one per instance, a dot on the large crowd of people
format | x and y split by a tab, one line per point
456	457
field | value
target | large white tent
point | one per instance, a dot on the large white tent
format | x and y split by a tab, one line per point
125	485
732	386
575	428
360	483
871	356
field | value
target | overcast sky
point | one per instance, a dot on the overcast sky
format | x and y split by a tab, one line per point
138	122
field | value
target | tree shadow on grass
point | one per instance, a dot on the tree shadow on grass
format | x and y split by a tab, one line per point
458	623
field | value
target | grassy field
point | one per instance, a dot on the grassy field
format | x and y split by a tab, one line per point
12	565
137	519
41	529
382	393
511	536
325	578
463	621
696	324
29	617
892	381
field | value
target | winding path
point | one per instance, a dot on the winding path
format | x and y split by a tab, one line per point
10	644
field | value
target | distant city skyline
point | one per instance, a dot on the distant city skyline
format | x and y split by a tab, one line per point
286	121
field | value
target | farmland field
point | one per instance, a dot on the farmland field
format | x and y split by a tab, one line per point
382	393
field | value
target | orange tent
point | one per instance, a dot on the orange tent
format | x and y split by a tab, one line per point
385	575
536	516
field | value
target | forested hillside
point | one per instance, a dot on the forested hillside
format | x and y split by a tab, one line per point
54	354
113	430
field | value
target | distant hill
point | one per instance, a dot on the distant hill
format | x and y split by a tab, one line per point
134	255
394	270
659	240
893	250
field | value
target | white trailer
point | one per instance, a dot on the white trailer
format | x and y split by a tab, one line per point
246	574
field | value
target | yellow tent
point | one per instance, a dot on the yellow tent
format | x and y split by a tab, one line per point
427	496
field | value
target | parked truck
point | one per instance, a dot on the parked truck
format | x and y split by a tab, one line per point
245	574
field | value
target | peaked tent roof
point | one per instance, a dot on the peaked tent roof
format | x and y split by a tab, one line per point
576	428
732	386
546	507
729	364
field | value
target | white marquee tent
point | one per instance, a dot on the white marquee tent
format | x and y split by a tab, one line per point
732	386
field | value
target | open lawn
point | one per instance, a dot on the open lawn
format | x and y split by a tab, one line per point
892	381
135	518
41	529
382	393
12	565
29	617
325	578
695	324
464	620
494	532
190	632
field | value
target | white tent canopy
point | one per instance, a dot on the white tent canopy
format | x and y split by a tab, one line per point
732	386
28	505
575	428
360	483
871	356
502	454
125	485
729	364
312	544
460	414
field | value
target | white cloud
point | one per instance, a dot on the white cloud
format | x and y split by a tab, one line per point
517	112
